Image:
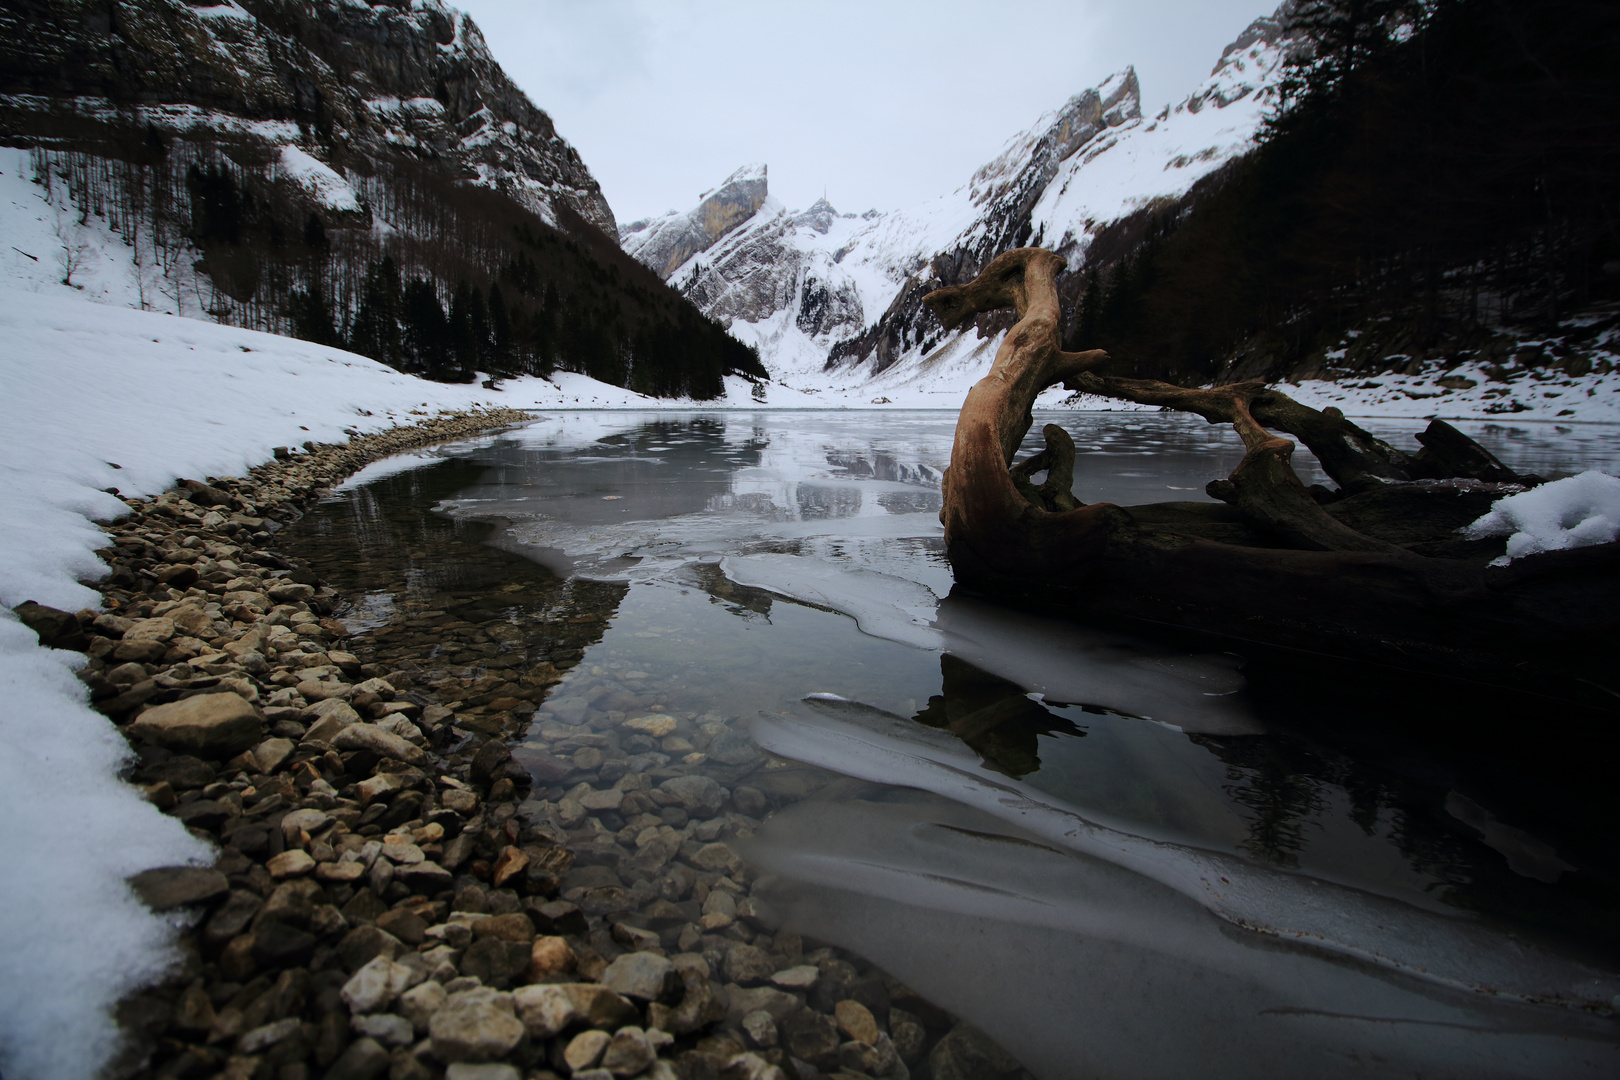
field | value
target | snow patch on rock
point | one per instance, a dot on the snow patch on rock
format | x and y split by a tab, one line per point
1577	511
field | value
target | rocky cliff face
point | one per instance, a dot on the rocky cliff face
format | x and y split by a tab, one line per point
344	83
666	242
844	302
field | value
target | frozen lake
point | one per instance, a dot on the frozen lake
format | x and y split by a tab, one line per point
1115	857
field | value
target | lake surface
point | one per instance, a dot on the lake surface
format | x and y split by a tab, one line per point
1116	857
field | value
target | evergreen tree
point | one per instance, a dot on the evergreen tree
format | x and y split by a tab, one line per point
425	331
376	331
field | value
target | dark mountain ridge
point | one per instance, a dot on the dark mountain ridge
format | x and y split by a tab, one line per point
359	175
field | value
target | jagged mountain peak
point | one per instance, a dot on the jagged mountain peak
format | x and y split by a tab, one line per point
1032	157
817	290
664	243
819	217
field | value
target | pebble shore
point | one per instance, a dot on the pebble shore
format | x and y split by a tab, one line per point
396	894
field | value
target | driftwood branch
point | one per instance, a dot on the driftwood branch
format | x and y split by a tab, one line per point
994	513
1374	571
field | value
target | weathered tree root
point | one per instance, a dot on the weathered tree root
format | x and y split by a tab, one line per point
1276	564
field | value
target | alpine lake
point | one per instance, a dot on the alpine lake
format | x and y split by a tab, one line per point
1114	856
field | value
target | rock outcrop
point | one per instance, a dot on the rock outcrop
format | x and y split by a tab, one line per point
345	84
666	242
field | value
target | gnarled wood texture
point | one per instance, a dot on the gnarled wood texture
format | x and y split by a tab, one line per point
1275	565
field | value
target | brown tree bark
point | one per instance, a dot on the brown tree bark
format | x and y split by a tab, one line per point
1274	565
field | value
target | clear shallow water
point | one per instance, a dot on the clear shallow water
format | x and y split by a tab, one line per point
1101	849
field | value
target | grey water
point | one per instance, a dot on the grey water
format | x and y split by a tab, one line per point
1117	856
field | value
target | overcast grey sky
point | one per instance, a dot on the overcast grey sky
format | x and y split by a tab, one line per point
882	103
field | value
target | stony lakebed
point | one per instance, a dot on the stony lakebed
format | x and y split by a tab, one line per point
419	877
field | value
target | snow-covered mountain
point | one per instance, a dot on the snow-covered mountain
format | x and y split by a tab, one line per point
836	299
320	88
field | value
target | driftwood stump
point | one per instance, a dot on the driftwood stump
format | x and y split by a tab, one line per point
1372	571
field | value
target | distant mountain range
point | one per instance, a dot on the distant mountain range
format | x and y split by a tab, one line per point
831	299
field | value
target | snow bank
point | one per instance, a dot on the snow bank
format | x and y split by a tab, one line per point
1577	511
97	396
74	939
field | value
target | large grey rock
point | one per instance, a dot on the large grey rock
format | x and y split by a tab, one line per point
629	1052
700	796
390	1029
166	887
748	964
376	984
208	725
545	1009
420	1002
585	1050
640	975
475	1025
364	1059
740	1002
597	1006
481	1070
599	801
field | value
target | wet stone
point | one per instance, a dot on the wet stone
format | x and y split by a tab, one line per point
748	965
598	801
813	1037
475	1025
585	1050
699	796
364	1059
389	1029
965	1053
856	1021
777	1003
545	1009
599	1006
801	977
481	1070
628	1053
643	976
167	887
208	725
760	1029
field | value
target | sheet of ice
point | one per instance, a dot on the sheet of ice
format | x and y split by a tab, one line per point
881	605
1071	663
1577	511
1084	967
1449	952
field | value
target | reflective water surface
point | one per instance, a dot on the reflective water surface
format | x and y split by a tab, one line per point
1116	856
